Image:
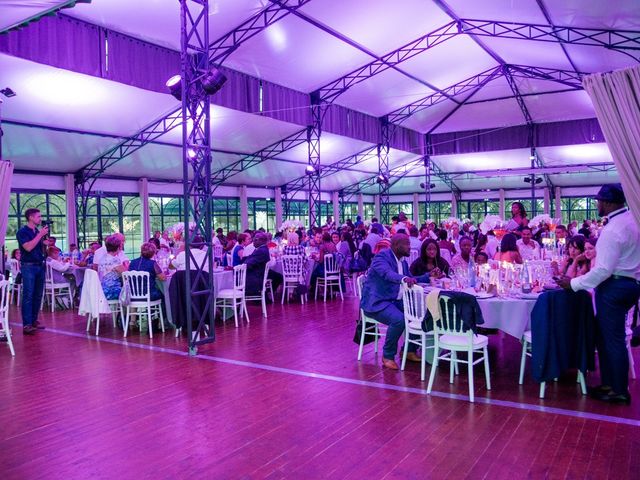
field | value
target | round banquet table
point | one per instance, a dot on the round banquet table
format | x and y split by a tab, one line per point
511	315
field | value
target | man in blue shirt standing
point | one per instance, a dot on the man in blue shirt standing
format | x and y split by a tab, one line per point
32	257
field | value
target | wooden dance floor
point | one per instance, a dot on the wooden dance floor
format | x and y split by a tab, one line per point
285	397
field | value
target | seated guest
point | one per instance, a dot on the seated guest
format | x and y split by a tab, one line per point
88	255
102	251
444	243
375	235
335	238
463	259
13	266
416	243
382	295
232	240
574	254
237	252
256	263
582	263
347	251
528	248
508	250
200	256
430	261
482	258
327	247
59	268
110	268
145	263
382	245
293	246
74	252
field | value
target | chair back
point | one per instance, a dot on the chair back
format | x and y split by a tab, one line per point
359	284
331	265
239	277
451	322
266	276
413	255
414	304
217	252
292	267
4	303
48	278
138	285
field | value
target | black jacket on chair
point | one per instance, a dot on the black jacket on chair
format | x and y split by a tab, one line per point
177	294
256	263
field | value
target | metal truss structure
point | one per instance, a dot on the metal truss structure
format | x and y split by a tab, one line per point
219	50
196	170
313	169
46	13
383	170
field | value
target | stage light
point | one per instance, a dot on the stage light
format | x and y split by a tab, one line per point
382	179
191	153
424	186
537	181
532	157
213	81
174	84
310	170
7	92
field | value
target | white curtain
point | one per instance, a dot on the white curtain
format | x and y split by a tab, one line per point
143	189
6	173
616	98
72	220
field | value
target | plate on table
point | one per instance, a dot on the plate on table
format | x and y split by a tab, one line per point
481	295
529	296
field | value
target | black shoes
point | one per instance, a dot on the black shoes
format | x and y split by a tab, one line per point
29	330
38	325
605	394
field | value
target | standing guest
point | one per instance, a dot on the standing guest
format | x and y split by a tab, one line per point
518	218
415	242
430	261
110	268
528	248
445	244
382	296
614	276
256	263
31	243
508	250
464	258
145	263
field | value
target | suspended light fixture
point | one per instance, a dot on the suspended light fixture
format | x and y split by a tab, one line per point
213	81
382	179
424	186
7	92
174	84
310	170
191	153
537	181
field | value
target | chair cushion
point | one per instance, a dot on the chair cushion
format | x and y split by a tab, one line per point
459	341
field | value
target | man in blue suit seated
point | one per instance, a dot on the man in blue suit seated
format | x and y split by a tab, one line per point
382	295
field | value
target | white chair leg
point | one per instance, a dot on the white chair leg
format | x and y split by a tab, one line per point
161	317
126	321
405	350
98	325
149	323
487	374
523	359
632	363
583	385
284	291
470	366
88	321
453	357
423	359
9	341
542	388
244	306
434	366
377	330
361	347
264	304
235	312
340	289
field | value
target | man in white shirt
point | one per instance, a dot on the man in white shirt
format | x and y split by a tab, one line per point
615	278
200	256
528	248
414	241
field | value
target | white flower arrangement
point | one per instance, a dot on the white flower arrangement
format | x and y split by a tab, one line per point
538	220
490	222
450	221
291	226
177	231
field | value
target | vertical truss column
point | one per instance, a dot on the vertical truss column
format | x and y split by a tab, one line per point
196	169
428	148
383	170
313	169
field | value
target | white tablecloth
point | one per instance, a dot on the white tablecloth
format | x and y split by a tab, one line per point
221	280
511	315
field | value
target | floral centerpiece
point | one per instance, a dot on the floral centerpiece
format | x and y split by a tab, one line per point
449	222
176	232
491	222
291	226
539	220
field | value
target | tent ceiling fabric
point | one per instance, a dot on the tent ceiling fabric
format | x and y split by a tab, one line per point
323	41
